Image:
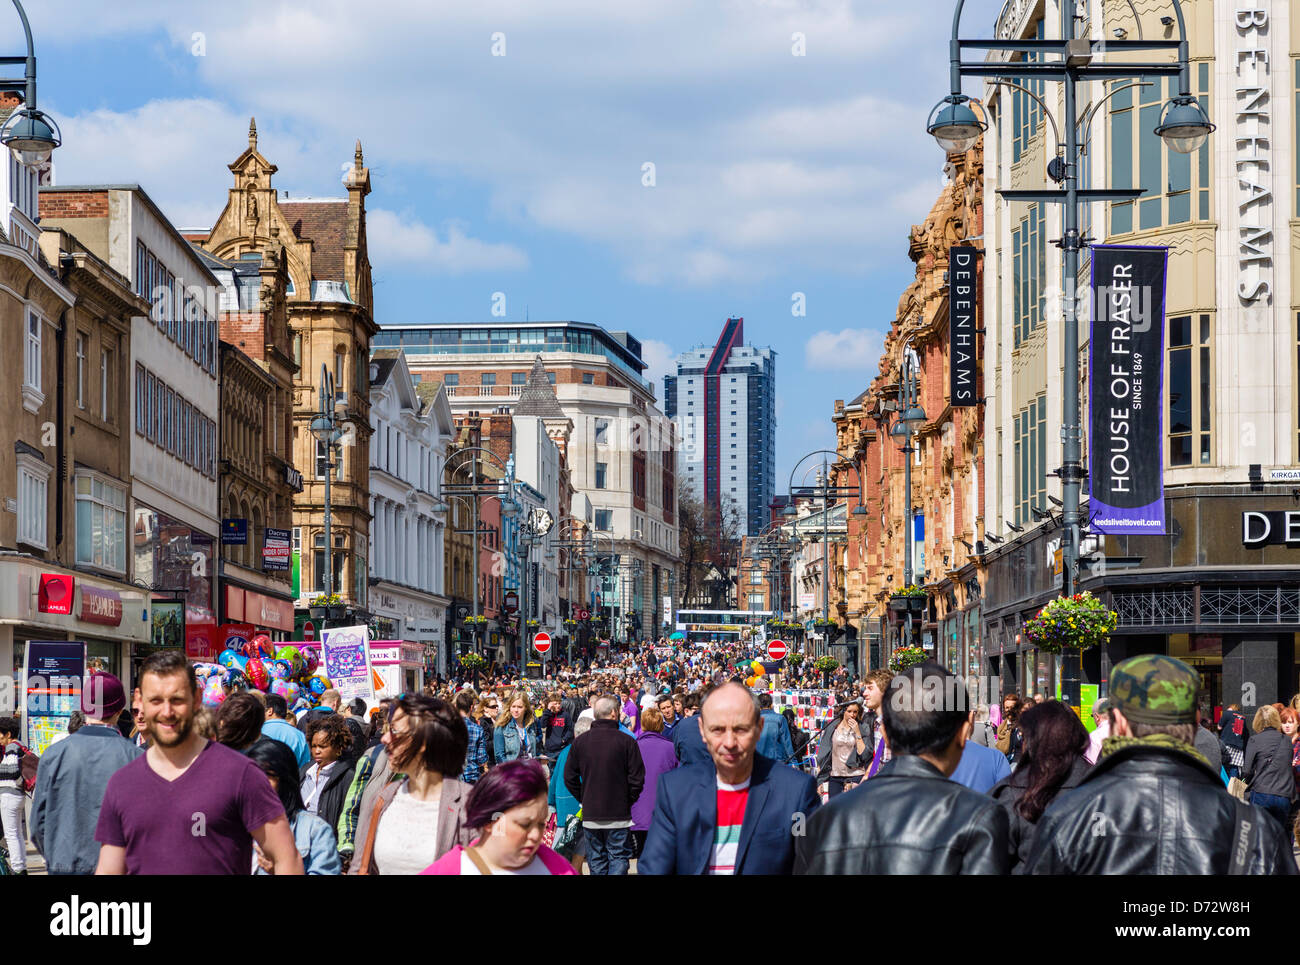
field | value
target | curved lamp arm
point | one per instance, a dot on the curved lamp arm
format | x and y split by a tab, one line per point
1092	111
1051	118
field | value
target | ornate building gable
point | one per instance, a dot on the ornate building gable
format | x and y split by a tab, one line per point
324	240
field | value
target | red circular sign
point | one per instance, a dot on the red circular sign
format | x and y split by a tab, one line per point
776	650
309	631
542	642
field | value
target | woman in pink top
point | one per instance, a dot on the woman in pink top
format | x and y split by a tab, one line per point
508	808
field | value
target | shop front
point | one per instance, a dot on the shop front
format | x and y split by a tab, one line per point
40	601
1220	590
399	664
175	563
272	615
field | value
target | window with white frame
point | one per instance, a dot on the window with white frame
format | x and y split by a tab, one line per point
81	370
101	523
32	355
33	500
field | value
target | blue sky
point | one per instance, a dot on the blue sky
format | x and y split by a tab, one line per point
521	171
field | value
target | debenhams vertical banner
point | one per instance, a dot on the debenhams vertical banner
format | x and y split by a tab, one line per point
1126	347
961	326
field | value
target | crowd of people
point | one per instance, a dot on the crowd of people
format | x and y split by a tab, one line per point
666	764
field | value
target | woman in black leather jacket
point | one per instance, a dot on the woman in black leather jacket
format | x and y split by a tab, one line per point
1052	760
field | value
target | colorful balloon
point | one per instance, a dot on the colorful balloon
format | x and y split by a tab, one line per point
318	685
264	646
313	661
256	671
228	658
213	692
280	669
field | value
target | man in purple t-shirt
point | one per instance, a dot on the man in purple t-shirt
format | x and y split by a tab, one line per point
188	806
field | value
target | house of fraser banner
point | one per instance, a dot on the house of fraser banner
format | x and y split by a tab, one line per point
1125	390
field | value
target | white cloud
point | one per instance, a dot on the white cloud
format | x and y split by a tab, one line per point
399	239
766	162
849	348
660	360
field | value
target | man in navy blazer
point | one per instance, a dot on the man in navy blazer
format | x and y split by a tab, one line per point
685	835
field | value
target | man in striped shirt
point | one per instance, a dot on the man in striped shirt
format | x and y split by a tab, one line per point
737	813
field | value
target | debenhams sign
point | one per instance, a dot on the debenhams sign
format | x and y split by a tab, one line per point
1270	528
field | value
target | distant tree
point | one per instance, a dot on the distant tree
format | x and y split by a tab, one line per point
710	540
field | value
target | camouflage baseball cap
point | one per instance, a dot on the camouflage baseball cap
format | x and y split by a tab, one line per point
1154	689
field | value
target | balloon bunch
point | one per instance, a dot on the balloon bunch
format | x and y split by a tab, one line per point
757	670
295	675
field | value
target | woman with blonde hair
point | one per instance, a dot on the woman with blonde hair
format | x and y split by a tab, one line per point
514	736
1267	767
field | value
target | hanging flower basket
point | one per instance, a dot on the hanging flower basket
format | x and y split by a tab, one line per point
794	659
904	658
821	624
472	661
1071	624
477	621
826	664
910	599
337	612
534	624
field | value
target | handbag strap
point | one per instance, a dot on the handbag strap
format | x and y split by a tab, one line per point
477	860
367	853
1245	832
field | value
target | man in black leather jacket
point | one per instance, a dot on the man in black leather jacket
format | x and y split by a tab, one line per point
1152	805
909	818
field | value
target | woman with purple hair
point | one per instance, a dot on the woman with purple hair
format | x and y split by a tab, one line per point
508	809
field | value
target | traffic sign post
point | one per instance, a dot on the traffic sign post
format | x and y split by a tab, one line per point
776	650
542	643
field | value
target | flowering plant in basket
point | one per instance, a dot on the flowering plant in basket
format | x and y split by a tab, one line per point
904	658
1077	622
826	664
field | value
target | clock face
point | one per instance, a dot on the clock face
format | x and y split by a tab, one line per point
541	521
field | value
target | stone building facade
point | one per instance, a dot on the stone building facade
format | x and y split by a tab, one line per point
947	466
329	308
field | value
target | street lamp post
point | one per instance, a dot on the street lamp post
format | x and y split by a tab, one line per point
1183	126
328	429
477	488
910	416
30	134
825	491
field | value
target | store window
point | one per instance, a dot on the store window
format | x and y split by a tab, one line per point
1030	445
1177	185
1029	268
171	557
101	523
1190	392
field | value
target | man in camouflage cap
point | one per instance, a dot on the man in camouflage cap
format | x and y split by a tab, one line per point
1153	804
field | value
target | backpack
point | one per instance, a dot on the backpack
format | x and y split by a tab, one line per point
28	761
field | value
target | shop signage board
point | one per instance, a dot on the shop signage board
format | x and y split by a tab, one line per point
234	532
275	549
1270	527
167	624
962	299
345	655
55	595
100	606
1125	395
52	674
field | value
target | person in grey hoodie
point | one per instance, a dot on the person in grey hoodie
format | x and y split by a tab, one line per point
72	776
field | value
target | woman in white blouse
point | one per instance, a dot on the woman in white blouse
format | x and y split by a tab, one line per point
417	819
